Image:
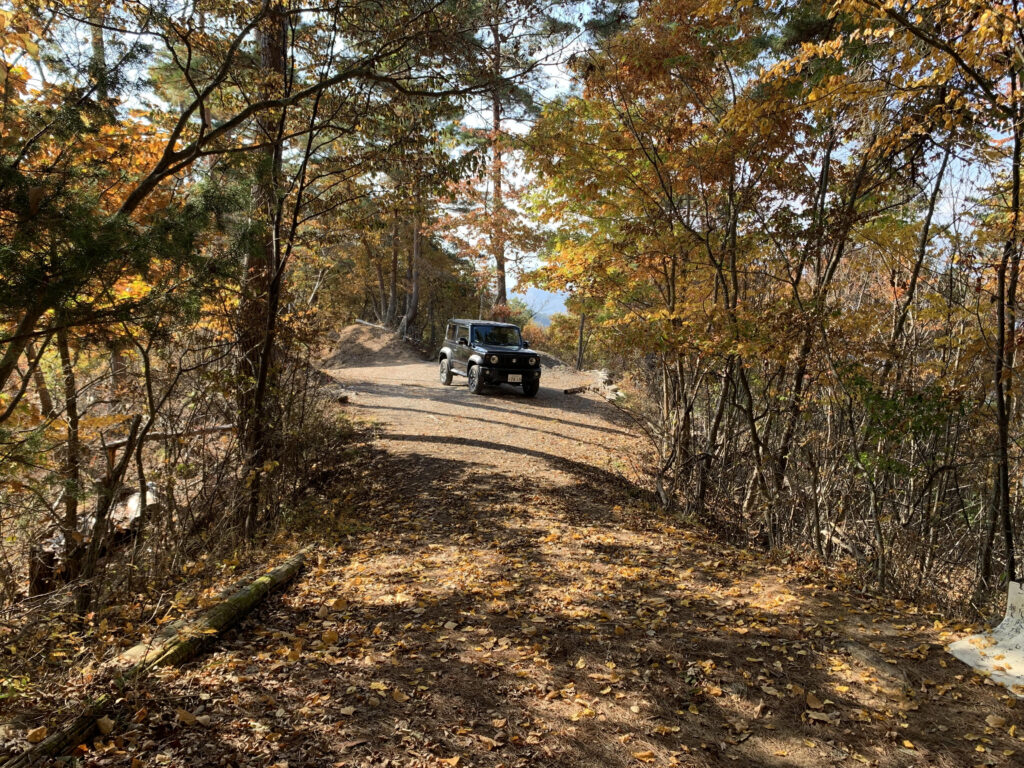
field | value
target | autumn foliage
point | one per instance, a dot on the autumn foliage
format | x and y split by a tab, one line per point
802	220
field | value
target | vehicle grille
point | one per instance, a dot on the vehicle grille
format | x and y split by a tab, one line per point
516	361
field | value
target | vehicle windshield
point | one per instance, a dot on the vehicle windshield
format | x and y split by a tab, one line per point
496	335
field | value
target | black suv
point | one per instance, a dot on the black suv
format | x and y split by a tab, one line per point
486	352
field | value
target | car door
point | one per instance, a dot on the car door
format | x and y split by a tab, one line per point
460	351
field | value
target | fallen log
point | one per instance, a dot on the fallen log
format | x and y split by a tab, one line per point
577	390
174	644
373	325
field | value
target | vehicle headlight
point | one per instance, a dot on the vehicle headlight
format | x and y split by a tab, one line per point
493	359
533	361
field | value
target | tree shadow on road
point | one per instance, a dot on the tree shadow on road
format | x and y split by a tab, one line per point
477	618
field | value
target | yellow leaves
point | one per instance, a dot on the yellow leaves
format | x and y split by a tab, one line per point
36	735
399	696
329	637
908	744
453	761
646	756
813	701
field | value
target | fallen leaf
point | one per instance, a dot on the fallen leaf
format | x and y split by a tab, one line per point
995	721
449	760
488	742
330	637
399	696
347	711
908	744
813	701
644	757
36	735
820	716
185	717
105	725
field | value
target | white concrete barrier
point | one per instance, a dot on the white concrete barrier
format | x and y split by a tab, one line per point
999	653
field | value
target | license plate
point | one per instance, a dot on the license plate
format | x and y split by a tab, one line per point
515	378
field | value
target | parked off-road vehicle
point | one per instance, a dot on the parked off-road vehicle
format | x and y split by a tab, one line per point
486	352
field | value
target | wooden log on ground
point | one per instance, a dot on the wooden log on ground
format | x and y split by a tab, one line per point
174	644
373	325
185	641
576	390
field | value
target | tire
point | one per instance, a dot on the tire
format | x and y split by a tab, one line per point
476	383
445	371
531	388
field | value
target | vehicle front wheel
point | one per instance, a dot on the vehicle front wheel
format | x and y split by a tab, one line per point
531	388
445	371
476	382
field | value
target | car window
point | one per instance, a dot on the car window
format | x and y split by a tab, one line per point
462	333
450	331
496	335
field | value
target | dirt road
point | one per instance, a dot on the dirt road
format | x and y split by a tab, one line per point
494	592
552	442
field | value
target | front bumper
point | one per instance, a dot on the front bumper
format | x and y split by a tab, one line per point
500	375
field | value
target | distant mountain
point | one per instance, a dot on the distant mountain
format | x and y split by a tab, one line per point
545	304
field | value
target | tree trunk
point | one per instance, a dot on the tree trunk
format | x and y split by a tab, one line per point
18	341
579	343
412	296
261	281
85	591
42	388
71	469
1006	290
392	311
498	207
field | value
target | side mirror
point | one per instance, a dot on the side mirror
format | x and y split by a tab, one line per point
526	344
463	341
